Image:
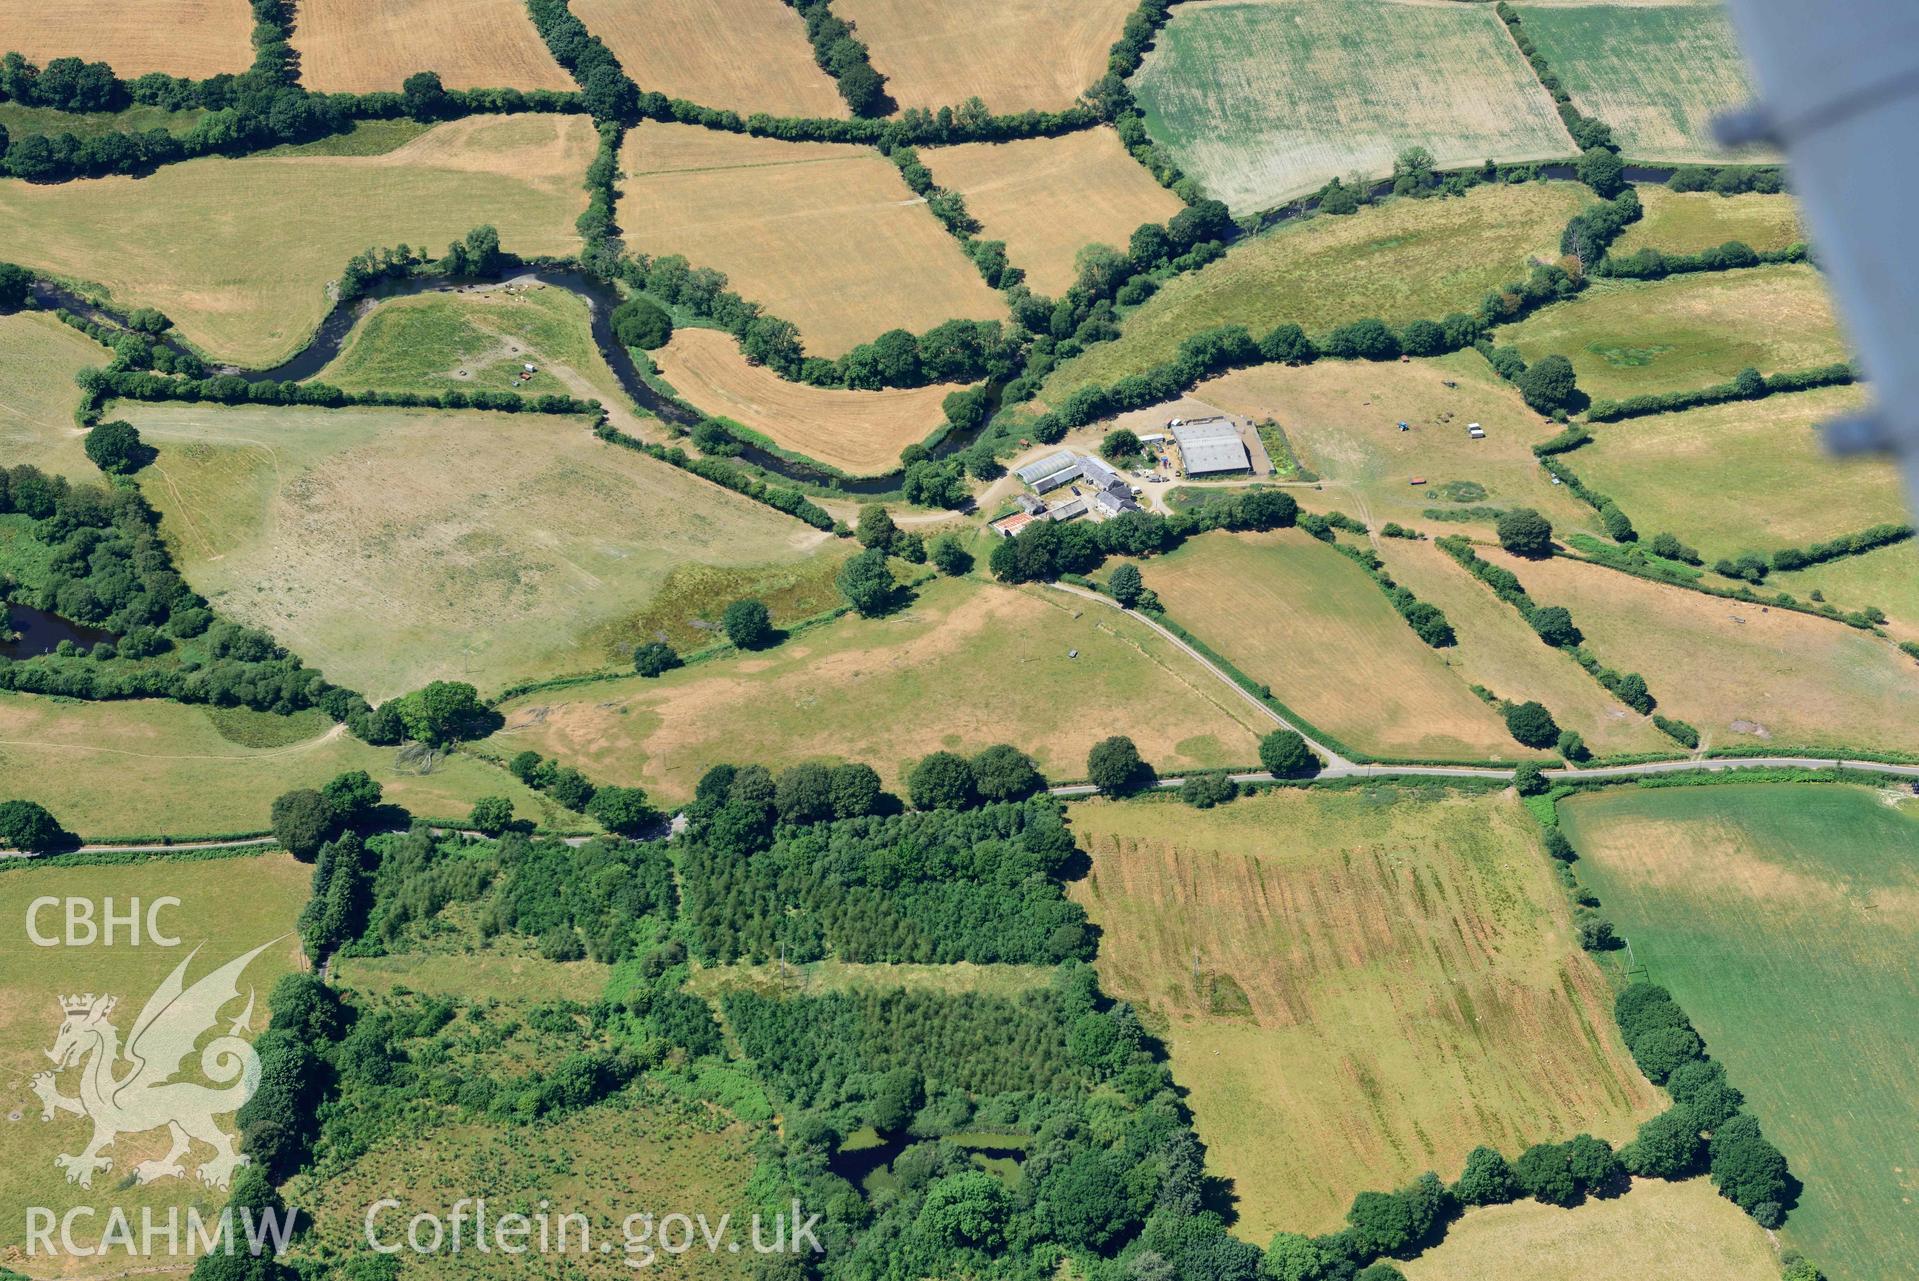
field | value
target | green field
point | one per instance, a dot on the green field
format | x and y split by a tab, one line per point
38	358
1739	477
1266	100
20	120
1782	918
1656	73
1355	987
1887	577
1635	338
151	768
1400	261
1684	222
960	669
393	547
227	907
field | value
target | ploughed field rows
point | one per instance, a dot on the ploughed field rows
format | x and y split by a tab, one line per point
239	252
738	55
1368	981
1267	100
362	46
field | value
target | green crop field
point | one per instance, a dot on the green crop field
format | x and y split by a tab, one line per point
1657	73
227	907
1266	100
1684	222
1782	918
888	691
1355	987
394	547
145	767
1400	261
1738	477
1636	338
38	358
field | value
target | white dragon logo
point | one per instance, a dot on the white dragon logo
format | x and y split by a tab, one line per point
140	1095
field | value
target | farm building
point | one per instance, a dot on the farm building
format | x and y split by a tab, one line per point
1209	446
1051	471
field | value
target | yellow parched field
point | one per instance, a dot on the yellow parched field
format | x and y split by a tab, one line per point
1371	983
1655	1230
826	235
861	432
888	691
738	55
194	38
1685	222
1743	674
38	358
393	547
362	46
1290	611
1049	197
239	252
1018	55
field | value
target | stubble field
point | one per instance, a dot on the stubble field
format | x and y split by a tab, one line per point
365	46
1372	983
738	55
194	38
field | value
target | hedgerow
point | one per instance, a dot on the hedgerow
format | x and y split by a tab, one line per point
1748	384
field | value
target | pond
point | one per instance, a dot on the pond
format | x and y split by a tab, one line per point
865	1159
31	632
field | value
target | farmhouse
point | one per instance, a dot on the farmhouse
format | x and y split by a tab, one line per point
1210	446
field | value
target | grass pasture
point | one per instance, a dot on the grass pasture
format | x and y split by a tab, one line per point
739	55
1738	477
227	907
1370	982
394	547
363	46
268	232
1782	918
20	120
1657	1229
1292	612
888	691
826	235
1635	338
1019	55
1657	73
1342	418
38	358
1498	650
150	768
193	38
1403	260
861	432
1887	577
1047	198
1744	675
1685	222
1266	100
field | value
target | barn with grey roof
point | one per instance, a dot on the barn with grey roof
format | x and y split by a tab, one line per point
1211	446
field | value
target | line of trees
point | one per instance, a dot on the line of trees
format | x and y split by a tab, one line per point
842	55
1045	549
1656	264
1747	384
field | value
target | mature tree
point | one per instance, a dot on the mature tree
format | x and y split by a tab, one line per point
1594	1164
352	796
302	821
442	711
867	582
28	825
655	658
1548	384
1554	623
491	815
805	794
897	1095
1486	1180
1381	1271
1292	1257
855	790
622	809
1115	767
1701	1087
16	283
1120	445
425	96
1524	532
1559	847
1603	171
942	781
641	323
876	528
116	447
966	1210
1572	746
1631	690
1667	1146
747	624
936	484
1284	754
1125	585
1004	773
1532	724
1660	1051
1203	789
1368	339
1748	1170
949	557
1544	1173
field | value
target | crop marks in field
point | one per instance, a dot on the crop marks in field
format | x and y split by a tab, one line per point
825	235
737	55
364	46
193	38
1657	73
389	548
238	252
1266	100
1782	918
1049	197
1369	982
1016	55
861	432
